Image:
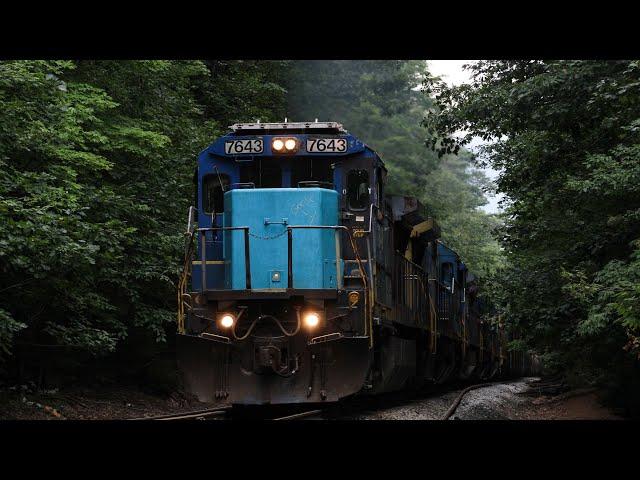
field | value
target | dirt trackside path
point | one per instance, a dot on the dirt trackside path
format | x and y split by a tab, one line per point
580	407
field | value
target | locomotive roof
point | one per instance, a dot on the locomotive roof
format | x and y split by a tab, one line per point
307	127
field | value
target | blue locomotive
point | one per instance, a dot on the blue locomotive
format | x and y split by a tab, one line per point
304	281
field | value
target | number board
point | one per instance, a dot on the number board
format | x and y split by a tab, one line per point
239	147
326	145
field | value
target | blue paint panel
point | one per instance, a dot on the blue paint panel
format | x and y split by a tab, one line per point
312	249
446	253
213	252
215	276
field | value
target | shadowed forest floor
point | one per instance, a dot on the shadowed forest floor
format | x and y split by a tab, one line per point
78	403
581	407
505	401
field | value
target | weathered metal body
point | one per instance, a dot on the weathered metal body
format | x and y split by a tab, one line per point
282	235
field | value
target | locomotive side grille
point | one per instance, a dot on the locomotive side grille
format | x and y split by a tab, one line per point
412	296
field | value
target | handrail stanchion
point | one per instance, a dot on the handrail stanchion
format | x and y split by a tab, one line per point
289	257
247	258
203	252
338	269
203	258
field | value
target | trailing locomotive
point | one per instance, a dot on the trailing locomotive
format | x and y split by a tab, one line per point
304	281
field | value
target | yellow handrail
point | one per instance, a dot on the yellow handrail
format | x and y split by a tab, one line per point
368	297
433	319
182	282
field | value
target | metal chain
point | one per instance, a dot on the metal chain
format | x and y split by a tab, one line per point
271	237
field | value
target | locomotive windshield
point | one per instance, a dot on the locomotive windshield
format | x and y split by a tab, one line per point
311	172
261	173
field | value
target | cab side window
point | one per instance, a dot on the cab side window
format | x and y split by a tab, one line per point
213	188
358	189
446	273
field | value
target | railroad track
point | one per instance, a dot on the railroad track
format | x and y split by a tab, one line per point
346	410
193	415
224	412
298	416
456	403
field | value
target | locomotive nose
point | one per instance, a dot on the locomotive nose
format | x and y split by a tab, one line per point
273	359
282	254
267	357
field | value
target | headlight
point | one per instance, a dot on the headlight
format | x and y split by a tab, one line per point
290	144
311	319
277	145
284	145
227	320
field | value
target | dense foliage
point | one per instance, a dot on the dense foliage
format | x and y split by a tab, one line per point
566	137
96	166
381	103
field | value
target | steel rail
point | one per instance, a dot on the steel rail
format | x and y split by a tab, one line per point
299	415
215	413
456	403
211	412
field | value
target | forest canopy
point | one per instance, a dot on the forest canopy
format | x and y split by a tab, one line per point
565	136
96	166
